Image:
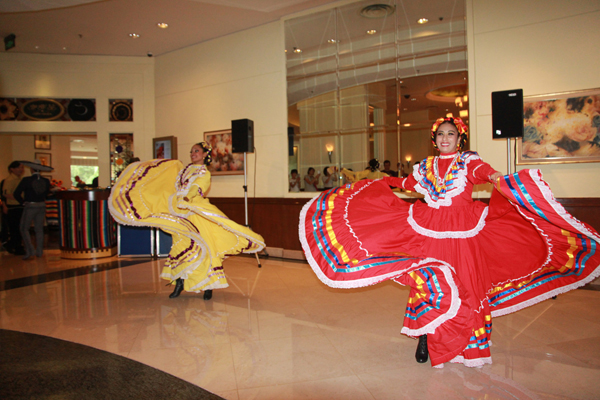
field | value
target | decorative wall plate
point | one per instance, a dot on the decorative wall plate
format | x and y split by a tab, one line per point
121	110
43	109
82	109
8	110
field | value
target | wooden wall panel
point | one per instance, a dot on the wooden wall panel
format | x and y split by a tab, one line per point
276	219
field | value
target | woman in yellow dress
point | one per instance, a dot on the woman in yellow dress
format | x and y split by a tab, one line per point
166	195
372	172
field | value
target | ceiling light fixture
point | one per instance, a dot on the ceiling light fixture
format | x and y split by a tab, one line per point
332	41
297	50
162	25
422	21
375	11
134	35
371	32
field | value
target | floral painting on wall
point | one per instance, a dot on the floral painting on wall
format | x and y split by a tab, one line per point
561	128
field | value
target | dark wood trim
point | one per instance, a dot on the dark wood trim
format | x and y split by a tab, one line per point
276	219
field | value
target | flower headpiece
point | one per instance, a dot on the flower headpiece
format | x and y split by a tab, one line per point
460	127
208	151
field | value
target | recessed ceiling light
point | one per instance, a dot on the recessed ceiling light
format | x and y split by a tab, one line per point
422	21
162	25
371	32
406	124
37	47
332	41
64	48
413	99
134	35
297	50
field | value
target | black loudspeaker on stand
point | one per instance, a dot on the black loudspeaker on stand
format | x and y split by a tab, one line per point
507	117
242	141
242	136
507	114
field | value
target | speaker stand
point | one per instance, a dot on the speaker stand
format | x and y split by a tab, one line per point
508	156
246	200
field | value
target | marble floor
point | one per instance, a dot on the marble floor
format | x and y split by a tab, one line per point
278	333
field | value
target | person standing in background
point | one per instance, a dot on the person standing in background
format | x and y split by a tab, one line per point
294	181
330	177
14	210
386	169
311	181
31	193
79	183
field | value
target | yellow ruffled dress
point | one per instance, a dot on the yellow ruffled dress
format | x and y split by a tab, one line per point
164	194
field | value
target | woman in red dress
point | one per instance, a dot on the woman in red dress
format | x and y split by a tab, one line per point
464	261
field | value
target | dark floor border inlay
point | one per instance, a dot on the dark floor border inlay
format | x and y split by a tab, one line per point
68	273
40	367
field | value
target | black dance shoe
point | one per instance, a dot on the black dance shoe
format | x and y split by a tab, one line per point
178	288
422	354
207	294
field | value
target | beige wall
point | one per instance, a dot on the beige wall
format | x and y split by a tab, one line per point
102	78
541	46
203	87
6	155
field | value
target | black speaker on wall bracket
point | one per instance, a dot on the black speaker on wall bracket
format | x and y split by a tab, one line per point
507	114
242	136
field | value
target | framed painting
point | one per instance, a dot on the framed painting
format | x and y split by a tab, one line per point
45	158
560	128
164	147
224	161
41	142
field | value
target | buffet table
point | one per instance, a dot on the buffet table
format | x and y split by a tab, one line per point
87	230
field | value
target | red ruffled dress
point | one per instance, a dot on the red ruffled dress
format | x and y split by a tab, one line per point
464	261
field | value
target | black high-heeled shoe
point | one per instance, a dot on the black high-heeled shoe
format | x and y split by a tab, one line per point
208	294
178	288
422	354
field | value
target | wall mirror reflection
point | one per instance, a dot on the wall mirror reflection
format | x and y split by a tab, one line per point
367	79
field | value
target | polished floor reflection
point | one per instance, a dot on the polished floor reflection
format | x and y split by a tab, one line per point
278	333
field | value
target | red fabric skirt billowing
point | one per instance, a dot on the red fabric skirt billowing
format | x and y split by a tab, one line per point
464	264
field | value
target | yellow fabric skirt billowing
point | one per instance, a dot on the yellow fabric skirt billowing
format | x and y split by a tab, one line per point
164	194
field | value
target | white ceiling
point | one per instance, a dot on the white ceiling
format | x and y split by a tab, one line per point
93	27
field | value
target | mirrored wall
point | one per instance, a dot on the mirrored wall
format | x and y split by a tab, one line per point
367	79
